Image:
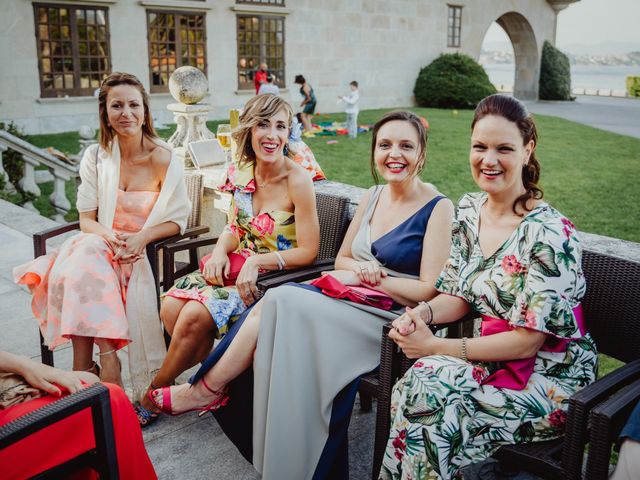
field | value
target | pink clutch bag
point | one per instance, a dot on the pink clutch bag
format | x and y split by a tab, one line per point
236	260
332	287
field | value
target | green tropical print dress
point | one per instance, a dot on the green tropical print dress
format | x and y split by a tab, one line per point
264	233
443	416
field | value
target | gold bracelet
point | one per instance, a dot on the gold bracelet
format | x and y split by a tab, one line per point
463	350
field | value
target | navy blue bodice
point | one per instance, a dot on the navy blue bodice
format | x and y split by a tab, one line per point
401	248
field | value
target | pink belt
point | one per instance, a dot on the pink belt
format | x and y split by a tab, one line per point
515	373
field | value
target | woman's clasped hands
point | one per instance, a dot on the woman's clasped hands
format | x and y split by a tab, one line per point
411	333
128	247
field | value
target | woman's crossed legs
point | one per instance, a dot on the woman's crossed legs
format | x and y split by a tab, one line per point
237	358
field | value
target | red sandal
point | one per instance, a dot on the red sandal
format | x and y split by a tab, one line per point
221	400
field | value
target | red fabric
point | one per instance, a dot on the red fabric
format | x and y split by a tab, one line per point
73	436
332	287
236	260
516	373
258	78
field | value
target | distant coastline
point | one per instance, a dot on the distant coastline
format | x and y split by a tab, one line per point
592	76
608	59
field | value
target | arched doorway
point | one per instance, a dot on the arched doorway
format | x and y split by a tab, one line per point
525	49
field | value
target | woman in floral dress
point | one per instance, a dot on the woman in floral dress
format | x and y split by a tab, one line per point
517	262
272	225
98	286
292	365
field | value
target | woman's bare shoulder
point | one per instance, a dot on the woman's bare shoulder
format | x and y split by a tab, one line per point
160	159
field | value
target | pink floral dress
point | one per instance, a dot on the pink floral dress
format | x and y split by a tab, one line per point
264	233
79	290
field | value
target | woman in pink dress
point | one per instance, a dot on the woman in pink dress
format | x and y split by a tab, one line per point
98	287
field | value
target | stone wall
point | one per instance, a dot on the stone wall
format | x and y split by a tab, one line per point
381	43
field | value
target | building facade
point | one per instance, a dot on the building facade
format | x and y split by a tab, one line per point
56	52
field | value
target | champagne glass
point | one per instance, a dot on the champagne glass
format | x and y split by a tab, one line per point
223	134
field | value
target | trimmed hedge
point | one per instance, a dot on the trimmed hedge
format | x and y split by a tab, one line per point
633	86
452	80
555	74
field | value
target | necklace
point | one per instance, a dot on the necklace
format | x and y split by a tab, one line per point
263	184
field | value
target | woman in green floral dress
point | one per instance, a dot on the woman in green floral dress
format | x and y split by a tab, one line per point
272	224
516	261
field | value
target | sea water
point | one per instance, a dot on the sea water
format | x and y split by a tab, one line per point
582	76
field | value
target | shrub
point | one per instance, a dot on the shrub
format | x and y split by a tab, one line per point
13	161
555	74
633	86
452	80
14	166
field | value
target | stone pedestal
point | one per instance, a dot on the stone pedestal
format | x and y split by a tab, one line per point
191	122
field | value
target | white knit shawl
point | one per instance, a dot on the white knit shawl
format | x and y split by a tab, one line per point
100	177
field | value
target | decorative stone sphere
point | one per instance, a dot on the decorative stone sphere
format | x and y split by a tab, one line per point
188	85
87	132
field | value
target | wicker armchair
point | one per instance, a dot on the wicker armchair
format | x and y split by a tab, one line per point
333	217
611	307
194	229
607	420
102	458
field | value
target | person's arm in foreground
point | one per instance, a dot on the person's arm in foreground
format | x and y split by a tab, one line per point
38	375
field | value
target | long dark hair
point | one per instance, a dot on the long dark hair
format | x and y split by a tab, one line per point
415	122
106	130
514	110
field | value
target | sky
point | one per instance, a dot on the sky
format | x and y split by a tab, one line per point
615	23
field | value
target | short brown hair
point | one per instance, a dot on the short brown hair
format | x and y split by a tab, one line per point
404	116
106	130
259	108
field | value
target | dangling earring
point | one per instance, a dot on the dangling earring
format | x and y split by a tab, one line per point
285	150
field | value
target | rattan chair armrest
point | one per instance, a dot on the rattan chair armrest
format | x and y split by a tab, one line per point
607	420
195	231
580	406
599	390
40	238
275	279
51	413
54	231
188	233
183	245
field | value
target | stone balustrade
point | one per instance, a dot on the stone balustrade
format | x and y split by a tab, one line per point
33	158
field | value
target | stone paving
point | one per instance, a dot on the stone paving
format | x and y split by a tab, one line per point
185	447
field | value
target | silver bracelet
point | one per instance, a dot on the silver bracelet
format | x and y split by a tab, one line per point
280	260
463	349
430	320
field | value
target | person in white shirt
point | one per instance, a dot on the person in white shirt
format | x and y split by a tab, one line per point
269	86
352	109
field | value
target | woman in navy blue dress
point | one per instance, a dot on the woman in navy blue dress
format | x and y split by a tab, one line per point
289	413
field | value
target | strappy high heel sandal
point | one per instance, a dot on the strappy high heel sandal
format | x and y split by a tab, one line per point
146	416
222	398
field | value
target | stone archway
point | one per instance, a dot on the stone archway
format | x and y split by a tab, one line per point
527	58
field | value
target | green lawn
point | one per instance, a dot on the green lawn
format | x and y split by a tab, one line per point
588	174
